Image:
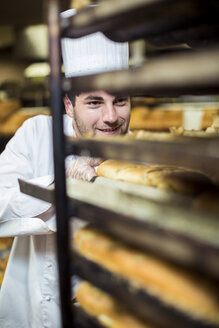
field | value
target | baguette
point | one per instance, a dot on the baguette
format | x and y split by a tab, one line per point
105	308
165	177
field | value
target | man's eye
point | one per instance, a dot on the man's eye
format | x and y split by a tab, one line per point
120	102
94	103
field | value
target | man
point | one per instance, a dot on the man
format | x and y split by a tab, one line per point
29	296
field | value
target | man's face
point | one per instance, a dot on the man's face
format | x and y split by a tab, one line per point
99	113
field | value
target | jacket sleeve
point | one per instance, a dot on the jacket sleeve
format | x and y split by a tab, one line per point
17	161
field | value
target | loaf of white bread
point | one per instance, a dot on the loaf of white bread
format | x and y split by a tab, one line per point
166	177
174	286
106	310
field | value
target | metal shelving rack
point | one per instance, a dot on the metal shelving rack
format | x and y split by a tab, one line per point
161	22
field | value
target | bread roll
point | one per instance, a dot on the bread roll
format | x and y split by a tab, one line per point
178	288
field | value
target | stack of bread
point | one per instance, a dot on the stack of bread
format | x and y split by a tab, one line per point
175	288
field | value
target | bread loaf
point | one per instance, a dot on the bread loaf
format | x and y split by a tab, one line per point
155	119
164	177
105	308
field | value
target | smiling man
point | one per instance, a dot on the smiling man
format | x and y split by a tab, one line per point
99	113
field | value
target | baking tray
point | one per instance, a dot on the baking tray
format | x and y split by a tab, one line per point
191	152
185	237
138	300
127	20
186	73
147	192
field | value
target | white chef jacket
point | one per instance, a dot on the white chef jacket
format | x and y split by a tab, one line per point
29	297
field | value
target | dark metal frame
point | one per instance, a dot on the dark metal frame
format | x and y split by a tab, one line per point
61	202
74	28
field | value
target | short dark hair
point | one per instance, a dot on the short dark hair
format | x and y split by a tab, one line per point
72	96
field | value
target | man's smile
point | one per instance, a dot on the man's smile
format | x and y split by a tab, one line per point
109	130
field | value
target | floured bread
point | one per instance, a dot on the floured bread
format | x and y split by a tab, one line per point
174	286
105	308
164	177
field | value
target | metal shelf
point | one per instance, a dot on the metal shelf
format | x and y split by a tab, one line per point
192	72
197	153
160	22
62	239
128	20
185	237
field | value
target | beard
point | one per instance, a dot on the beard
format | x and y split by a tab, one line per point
79	127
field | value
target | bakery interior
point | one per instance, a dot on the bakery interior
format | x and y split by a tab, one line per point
150	254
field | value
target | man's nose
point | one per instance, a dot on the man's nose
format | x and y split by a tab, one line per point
110	114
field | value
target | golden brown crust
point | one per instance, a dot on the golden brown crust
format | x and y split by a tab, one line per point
14	121
161	119
106	309
170	178
155	119
175	286
208	117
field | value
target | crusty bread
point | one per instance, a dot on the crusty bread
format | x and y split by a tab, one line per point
164	177
162	118
155	119
176	287
105	308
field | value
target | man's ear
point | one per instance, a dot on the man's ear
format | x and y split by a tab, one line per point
68	106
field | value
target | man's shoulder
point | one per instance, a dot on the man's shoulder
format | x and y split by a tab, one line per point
38	119
44	123
37	123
